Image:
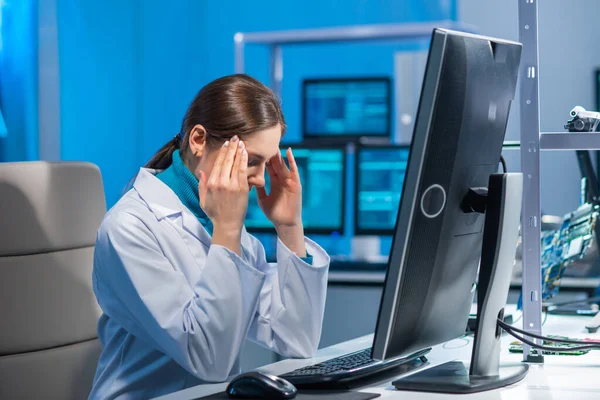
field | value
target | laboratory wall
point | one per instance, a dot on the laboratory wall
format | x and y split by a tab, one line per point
128	69
18	80
568	32
118	76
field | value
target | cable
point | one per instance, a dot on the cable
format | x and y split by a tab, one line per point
511	331
463	338
568	303
545	318
550	348
503	162
518	319
507	327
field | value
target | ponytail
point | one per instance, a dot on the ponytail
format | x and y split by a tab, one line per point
232	105
164	157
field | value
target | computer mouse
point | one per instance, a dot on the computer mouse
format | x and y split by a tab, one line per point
259	385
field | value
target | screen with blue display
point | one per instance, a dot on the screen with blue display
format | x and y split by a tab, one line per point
347	107
379	180
322	173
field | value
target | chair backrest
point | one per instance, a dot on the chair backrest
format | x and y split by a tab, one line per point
49	217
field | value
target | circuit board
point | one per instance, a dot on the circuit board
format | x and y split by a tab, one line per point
562	247
517	347
570	243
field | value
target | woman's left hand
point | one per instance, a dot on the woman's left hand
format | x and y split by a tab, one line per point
283	204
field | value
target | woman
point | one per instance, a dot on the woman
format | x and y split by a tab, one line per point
180	282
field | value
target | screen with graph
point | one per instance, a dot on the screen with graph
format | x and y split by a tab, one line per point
379	180
346	107
322	174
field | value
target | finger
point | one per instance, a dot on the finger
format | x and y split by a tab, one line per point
278	167
235	171
261	192
270	170
243	171
283	163
229	159
293	165
202	188
218	165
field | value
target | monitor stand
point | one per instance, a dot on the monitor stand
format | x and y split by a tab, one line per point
502	206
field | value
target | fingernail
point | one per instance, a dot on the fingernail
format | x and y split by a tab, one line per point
241	144
244	152
226	143
234	139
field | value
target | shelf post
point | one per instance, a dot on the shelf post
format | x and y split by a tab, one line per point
276	71
238	43
530	163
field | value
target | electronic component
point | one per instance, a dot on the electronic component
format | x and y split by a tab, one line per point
517	347
582	120
568	244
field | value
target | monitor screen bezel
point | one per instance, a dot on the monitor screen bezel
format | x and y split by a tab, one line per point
358	231
597	86
353	136
394	281
308	229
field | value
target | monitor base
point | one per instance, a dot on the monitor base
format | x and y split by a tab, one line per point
453	377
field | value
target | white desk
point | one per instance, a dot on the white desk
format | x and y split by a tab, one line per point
561	377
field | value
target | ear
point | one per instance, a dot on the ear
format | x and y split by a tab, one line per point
197	140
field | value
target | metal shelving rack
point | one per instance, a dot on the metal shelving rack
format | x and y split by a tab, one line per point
362	33
532	142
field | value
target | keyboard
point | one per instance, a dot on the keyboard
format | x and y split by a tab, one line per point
346	368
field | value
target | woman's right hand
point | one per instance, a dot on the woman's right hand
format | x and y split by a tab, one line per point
224	194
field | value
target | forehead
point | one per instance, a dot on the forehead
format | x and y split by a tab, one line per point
264	143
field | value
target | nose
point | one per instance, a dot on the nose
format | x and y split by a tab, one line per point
257	180
257	177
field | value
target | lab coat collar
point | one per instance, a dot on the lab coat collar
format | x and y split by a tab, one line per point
164	203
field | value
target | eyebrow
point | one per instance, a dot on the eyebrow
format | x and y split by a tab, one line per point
257	156
260	157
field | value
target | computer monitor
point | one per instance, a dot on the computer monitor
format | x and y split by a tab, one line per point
379	180
597	88
432	274
322	172
346	108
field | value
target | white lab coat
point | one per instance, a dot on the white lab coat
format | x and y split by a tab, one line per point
169	295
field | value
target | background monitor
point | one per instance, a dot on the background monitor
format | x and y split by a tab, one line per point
469	85
322	173
347	107
379	180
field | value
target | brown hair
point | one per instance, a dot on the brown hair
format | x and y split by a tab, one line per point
232	105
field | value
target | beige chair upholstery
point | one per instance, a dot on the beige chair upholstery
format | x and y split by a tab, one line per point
49	216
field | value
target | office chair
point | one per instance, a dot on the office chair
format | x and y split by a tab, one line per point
49	216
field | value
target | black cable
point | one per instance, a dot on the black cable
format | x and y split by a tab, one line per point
511	331
550	348
505	326
503	162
